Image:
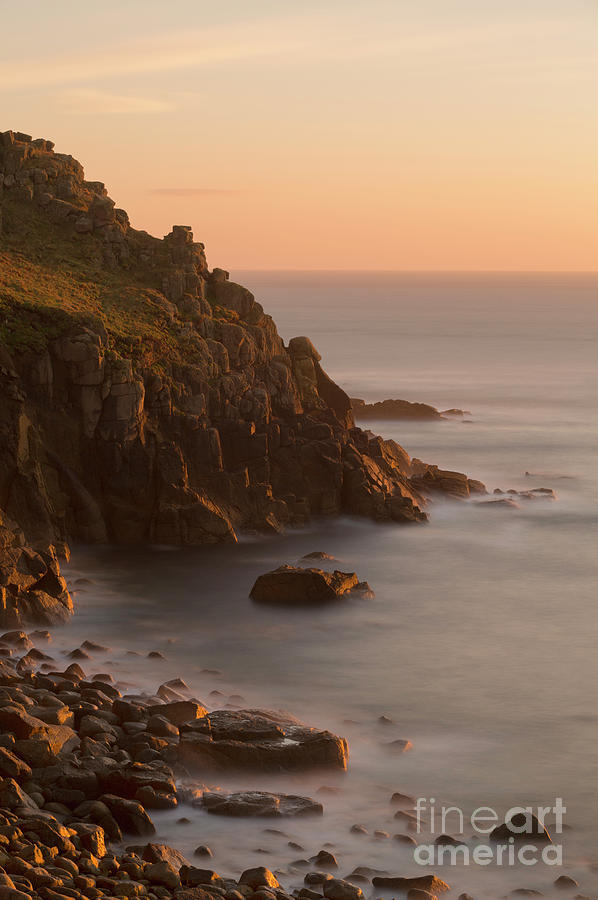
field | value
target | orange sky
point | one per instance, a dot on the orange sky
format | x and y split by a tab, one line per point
339	134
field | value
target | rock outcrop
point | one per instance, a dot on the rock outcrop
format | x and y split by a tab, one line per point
144	397
392	410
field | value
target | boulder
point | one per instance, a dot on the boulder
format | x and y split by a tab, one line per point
258	740
260	803
259	877
292	585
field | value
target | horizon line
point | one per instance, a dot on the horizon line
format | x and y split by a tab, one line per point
427	271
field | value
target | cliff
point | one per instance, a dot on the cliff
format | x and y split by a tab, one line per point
144	397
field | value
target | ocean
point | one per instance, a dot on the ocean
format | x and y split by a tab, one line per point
480	644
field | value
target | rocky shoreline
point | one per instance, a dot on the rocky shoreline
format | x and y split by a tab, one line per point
84	766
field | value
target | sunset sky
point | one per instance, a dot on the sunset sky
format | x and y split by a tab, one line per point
326	134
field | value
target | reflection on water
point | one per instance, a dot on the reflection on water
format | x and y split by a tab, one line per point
480	642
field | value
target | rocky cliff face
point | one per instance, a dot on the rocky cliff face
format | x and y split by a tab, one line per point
144	397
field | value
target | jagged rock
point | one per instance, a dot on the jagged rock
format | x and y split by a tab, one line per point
297	586
260	803
258	740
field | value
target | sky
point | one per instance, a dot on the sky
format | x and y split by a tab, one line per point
326	134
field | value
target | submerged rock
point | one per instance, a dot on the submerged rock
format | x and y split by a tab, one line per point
400	745
258	740
295	586
503	503
260	803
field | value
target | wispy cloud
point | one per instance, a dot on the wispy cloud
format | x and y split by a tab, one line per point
167	51
301	38
82	101
192	192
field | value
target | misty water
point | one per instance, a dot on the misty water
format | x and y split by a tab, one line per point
480	644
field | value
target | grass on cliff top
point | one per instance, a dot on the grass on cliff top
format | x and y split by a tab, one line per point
48	284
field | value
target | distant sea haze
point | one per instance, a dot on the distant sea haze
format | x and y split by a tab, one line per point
480	644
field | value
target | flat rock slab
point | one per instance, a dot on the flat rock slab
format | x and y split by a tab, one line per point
295	586
260	803
259	740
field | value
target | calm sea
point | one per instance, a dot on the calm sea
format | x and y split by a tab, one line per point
481	642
